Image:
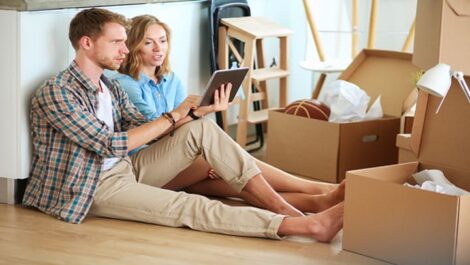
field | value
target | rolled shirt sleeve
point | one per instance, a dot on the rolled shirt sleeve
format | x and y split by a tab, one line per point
80	125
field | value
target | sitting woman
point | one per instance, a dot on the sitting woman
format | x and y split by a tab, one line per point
154	89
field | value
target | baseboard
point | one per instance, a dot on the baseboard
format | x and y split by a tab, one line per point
11	190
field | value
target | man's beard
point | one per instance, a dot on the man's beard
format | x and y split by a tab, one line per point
109	64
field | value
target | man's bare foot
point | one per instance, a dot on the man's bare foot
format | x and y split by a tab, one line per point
322	226
325	225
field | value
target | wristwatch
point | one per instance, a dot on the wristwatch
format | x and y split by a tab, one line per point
192	115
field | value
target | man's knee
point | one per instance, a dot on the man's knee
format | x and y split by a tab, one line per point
202	125
206	122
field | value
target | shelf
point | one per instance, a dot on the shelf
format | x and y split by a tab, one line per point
331	66
264	74
258	116
256	27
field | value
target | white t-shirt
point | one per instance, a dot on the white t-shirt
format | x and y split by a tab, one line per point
105	114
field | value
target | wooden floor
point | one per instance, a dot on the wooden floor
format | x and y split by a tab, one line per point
30	237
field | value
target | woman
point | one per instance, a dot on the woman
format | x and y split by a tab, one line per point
147	78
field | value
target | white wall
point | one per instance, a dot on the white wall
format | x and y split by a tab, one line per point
35	46
190	37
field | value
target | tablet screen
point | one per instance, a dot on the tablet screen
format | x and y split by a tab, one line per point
220	77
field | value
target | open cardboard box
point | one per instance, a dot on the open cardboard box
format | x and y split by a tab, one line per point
442	34
385	220
325	151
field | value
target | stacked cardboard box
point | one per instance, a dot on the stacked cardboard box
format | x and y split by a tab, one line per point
442	34
391	222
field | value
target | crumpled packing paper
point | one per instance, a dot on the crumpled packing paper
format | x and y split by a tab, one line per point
348	102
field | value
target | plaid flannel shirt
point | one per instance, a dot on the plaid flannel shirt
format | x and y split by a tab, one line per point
70	142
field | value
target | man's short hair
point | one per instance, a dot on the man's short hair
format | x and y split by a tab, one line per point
90	22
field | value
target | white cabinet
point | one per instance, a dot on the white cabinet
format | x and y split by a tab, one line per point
34	47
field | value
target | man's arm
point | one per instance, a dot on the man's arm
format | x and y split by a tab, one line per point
131	116
145	133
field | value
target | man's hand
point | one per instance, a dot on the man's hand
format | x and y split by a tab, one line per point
191	102
221	101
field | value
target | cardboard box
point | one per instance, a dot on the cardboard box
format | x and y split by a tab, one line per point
325	151
442	34
405	154
385	220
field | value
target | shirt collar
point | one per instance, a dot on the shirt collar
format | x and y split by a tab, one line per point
75	70
144	79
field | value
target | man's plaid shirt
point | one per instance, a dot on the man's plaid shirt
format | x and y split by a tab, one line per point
70	142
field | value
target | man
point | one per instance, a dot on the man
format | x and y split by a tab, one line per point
83	127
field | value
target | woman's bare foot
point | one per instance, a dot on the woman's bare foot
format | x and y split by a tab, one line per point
322	202
314	187
322	226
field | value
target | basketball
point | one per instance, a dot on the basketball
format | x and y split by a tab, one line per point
309	108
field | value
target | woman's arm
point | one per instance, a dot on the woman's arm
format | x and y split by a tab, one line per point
221	101
180	93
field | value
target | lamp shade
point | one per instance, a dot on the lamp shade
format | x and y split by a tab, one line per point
436	81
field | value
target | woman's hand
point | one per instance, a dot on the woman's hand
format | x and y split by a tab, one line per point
212	174
221	101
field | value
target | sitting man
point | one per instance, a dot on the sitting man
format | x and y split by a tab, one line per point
83	126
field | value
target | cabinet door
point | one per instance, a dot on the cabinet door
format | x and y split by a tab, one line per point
8	93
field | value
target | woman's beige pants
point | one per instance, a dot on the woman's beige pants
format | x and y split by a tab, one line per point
131	189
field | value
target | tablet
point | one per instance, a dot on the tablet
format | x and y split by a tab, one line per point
219	77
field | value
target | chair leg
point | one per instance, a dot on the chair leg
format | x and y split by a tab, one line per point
219	119
258	127
259	138
316	91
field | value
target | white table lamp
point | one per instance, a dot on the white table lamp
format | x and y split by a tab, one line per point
437	80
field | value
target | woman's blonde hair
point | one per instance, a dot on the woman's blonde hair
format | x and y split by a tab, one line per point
135	41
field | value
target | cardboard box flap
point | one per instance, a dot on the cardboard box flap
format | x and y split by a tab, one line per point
460	7
386	73
463	240
445	136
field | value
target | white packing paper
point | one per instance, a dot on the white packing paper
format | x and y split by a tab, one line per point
375	111
434	180
347	102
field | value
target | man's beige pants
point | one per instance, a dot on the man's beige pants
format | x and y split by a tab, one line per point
131	189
